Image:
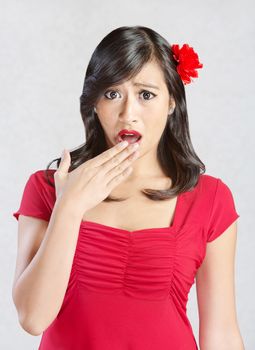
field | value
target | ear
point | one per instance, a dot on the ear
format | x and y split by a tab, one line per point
171	105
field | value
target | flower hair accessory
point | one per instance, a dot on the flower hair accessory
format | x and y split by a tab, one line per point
188	62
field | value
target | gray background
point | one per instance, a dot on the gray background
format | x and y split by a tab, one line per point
45	49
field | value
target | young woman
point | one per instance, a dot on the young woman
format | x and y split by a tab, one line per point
112	240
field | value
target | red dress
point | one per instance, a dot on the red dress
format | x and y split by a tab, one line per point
129	290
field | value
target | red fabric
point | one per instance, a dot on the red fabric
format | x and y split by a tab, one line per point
129	289
37	197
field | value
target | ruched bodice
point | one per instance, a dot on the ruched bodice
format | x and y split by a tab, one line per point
149	264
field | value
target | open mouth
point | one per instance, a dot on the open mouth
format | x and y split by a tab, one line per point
131	136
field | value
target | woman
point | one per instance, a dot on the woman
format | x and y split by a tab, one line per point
110	247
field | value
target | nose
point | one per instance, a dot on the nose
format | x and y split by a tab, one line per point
128	109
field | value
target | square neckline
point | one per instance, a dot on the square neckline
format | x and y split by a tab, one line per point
117	229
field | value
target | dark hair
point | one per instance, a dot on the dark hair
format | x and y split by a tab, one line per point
118	57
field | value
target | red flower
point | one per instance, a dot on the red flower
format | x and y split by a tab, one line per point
188	62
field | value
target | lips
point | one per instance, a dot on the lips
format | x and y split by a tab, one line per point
130	135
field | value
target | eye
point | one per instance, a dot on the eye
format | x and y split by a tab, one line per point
112	92
148	93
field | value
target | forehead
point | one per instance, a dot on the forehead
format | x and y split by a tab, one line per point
150	74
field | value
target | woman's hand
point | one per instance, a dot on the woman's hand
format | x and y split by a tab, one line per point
91	182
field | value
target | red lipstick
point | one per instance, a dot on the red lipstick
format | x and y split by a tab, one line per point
131	136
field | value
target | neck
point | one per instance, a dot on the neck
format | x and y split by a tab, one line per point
146	166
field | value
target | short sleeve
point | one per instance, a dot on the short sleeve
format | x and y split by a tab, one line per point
223	212
33	201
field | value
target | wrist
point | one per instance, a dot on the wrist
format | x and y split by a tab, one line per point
68	208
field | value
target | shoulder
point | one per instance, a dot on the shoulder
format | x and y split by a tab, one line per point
38	196
43	178
214	196
211	185
208	181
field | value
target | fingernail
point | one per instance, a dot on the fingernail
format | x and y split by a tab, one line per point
123	143
135	145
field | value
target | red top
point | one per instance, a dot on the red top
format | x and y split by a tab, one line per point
129	289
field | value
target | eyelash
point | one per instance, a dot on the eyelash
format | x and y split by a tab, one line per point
142	91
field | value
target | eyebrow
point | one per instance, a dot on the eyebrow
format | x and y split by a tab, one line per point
147	85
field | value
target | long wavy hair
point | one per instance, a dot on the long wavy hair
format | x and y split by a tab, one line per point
118	57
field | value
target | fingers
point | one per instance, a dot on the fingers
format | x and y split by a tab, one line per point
119	158
120	172
65	162
108	154
122	166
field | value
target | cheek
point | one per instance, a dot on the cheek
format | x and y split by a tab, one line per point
109	128
107	122
156	123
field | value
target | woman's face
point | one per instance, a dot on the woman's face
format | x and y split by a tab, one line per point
141	103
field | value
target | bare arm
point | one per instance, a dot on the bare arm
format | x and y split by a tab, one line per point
39	291
46	251
218	324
